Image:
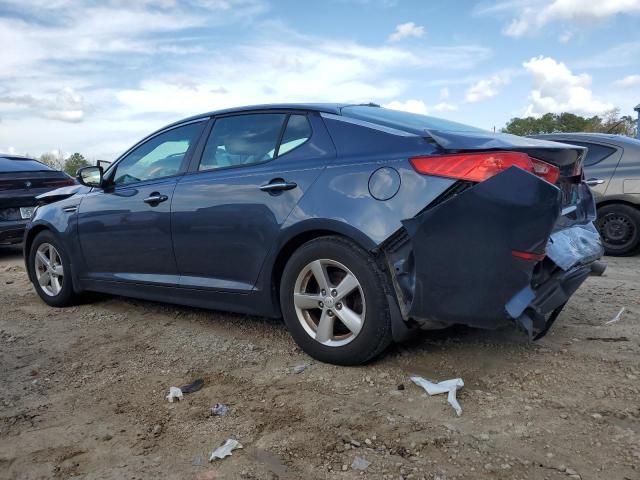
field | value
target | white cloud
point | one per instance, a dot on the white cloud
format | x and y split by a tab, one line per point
95	77
487	87
418	106
412	106
556	89
67	106
532	16
630	81
406	30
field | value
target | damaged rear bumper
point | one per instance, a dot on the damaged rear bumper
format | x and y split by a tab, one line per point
474	258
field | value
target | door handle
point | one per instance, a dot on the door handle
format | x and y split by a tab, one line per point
278	186
155	198
592	182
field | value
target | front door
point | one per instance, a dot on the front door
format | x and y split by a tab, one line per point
125	228
227	214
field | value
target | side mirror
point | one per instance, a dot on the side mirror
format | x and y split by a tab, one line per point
90	176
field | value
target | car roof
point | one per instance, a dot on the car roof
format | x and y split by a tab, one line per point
314	107
587	136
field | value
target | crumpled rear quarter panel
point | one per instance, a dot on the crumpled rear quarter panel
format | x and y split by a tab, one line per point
463	268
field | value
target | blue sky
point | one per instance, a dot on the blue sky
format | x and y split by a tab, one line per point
96	76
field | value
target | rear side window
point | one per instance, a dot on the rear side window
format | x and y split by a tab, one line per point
297	132
19	165
242	140
596	152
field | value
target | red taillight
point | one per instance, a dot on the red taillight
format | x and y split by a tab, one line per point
530	256
477	167
549	172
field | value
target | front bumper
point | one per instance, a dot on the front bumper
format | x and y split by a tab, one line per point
454	262
12	231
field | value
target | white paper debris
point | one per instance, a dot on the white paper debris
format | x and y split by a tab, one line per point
616	318
446	386
360	463
174	392
225	450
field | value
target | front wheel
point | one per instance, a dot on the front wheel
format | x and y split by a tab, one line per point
50	270
619	227
333	301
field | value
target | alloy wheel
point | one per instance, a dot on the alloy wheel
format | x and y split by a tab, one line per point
48	269
329	302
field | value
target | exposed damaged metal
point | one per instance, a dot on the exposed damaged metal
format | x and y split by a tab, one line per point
452	245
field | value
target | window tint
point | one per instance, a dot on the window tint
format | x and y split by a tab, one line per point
411	122
161	156
242	140
297	132
596	152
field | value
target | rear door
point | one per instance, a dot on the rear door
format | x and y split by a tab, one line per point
228	211
599	164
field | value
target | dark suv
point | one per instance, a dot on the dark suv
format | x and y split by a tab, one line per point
612	170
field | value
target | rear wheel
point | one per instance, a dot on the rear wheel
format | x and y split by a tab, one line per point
333	302
619	227
50	270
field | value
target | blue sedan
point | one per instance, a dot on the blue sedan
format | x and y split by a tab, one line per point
357	224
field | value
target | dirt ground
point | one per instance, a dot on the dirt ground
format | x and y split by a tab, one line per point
82	394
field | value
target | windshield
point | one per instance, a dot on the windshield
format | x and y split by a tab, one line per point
410	122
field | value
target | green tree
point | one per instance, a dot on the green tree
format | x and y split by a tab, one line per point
74	163
53	160
610	122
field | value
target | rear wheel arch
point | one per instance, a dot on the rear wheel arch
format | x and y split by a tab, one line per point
305	234
616	201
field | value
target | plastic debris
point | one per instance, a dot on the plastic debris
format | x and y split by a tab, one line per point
193	386
225	450
360	463
300	368
446	386
174	392
219	409
616	318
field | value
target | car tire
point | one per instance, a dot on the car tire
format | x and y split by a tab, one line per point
619	227
51	274
357	310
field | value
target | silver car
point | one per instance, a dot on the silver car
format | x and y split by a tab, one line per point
612	170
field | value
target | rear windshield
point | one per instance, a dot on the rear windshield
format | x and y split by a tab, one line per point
410	122
19	165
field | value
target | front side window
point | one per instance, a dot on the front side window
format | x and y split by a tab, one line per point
242	140
162	156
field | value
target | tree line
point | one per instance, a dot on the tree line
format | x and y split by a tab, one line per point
69	165
610	122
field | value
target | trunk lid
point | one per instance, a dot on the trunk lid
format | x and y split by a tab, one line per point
577	200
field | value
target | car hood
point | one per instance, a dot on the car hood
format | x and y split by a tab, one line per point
61	193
